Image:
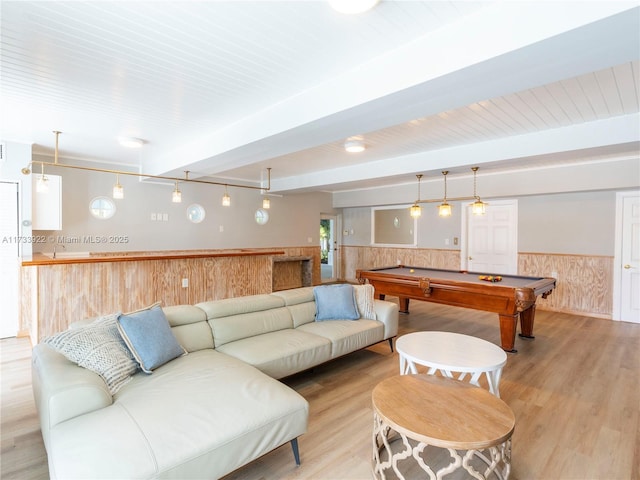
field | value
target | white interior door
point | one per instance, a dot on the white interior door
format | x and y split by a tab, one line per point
492	239
630	260
9	259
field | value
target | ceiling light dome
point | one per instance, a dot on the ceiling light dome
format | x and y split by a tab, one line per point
354	145
351	7
131	142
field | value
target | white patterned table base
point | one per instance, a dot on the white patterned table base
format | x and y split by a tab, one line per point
496	458
493	376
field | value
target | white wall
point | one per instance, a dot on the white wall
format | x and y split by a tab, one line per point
567	223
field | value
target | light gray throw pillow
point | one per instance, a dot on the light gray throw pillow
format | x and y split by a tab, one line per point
149	337
335	302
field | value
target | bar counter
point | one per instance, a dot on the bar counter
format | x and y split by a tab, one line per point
57	292
64	257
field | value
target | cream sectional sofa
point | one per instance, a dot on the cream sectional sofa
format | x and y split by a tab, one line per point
205	413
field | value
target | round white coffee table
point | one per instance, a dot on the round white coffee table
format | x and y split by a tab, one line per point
448	352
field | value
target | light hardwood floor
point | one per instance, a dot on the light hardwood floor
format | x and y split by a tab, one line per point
575	392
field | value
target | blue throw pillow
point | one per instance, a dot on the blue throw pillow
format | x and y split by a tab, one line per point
149	337
336	302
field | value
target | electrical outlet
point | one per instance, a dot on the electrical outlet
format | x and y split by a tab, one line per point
153	217
221	228
554	274
185	283
165	217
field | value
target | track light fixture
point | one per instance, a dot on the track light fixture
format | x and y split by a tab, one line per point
118	190
478	207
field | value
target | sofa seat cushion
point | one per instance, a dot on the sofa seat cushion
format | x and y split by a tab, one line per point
281	353
217	413
346	335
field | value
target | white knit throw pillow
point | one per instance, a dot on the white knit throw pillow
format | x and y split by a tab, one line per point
98	347
364	300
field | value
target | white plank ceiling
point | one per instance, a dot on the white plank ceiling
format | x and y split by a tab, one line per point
226	89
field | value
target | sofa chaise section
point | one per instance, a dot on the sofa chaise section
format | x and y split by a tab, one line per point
202	415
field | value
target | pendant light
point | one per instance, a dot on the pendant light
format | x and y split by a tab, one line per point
176	197
42	184
266	203
118	190
444	209
226	199
416	210
478	206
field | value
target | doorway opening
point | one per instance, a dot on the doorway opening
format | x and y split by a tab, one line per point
329	253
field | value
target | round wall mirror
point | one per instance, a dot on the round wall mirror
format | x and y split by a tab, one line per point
262	216
195	213
102	208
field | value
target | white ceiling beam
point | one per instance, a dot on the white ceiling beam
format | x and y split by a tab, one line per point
528	45
597	134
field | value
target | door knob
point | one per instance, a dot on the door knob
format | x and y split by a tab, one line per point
627	267
470	258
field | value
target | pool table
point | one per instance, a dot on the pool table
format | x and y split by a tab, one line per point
512	297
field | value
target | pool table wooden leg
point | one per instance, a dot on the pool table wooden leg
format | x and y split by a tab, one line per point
526	322
404	304
508	325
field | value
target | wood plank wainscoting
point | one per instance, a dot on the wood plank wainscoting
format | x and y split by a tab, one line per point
584	287
56	293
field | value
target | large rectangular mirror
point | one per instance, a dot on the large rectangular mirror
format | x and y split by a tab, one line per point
393	226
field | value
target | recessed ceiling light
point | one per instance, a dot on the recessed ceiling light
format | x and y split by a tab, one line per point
351	7
131	142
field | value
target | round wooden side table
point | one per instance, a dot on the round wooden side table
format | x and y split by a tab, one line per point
418	419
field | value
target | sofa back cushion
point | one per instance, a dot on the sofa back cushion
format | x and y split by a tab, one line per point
190	327
233	319
295	296
303	313
301	304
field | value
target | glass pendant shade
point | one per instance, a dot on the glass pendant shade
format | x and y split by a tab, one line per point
176	197
226	200
415	211
42	185
118	191
444	209
478	207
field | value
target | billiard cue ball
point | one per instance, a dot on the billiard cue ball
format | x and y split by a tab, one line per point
411	271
